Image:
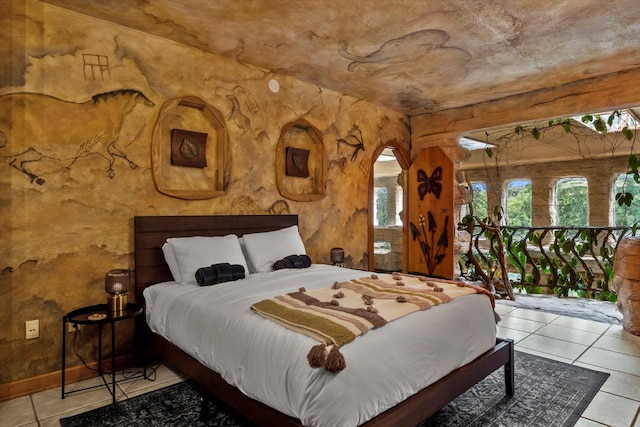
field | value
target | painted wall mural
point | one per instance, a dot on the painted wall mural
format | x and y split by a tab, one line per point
51	130
419	53
76	122
95	66
354	141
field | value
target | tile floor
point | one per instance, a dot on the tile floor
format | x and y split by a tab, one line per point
44	409
581	342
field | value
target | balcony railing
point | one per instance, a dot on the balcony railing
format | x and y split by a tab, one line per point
566	261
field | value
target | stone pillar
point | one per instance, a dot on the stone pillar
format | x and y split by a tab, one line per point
541	202
391	202
599	199
626	282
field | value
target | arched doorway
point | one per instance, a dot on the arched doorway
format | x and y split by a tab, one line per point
387	241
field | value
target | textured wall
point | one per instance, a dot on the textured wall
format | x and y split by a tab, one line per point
76	168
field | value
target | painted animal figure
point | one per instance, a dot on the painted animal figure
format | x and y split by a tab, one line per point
417	53
40	127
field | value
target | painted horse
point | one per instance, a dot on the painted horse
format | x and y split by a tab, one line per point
37	127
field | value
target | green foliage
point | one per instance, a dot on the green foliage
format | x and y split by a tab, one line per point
489	152
561	264
572	261
479	201
519	205
535	132
382	206
626	212
602	127
572	202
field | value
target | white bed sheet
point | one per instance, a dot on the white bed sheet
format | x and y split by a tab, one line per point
268	362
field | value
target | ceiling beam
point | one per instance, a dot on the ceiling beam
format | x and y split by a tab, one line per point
597	94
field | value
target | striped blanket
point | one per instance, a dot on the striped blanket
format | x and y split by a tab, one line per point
337	315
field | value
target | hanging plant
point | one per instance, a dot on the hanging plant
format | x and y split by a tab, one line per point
602	125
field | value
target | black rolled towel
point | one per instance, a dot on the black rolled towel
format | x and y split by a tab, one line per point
237	271
302	261
223	271
293	261
219	273
296	261
206	276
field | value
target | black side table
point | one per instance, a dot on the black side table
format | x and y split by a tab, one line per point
99	315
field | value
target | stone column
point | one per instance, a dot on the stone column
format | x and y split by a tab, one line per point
391	202
600	186
541	202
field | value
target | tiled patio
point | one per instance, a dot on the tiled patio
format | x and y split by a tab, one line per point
594	345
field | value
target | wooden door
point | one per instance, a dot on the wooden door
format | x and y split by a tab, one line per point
431	216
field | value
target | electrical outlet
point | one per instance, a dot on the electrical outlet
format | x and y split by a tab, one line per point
32	328
72	327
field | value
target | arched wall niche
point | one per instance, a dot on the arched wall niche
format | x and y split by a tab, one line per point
301	162
190	153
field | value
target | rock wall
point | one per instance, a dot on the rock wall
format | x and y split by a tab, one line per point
79	99
392	260
626	282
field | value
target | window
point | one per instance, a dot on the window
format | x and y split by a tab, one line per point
479	190
518	198
627	215
572	202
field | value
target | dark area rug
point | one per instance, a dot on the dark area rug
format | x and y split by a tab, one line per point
548	393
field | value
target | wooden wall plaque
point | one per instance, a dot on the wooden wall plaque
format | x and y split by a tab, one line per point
188	148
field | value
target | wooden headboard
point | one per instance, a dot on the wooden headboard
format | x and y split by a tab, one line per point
151	232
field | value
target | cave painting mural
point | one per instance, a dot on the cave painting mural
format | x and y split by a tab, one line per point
39	128
417	53
353	142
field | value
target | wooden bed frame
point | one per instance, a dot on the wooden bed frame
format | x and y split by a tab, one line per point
150	268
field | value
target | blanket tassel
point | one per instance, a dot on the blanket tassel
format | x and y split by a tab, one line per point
335	361
317	356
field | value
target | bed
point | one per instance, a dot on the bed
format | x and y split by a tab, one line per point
411	405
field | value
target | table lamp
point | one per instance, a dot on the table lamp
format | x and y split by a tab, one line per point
116	284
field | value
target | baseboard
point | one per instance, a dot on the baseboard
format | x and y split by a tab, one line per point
53	379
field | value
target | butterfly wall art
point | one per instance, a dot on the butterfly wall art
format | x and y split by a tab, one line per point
430	184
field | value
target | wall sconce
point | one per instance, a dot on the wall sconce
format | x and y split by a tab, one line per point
337	257
116	284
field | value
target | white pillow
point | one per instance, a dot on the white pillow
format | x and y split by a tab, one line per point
246	256
170	258
196	252
263	249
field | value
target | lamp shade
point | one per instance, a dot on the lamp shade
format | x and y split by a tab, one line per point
337	255
117	281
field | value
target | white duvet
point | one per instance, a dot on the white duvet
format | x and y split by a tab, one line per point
267	362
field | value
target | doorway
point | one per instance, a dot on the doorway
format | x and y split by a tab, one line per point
387	207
